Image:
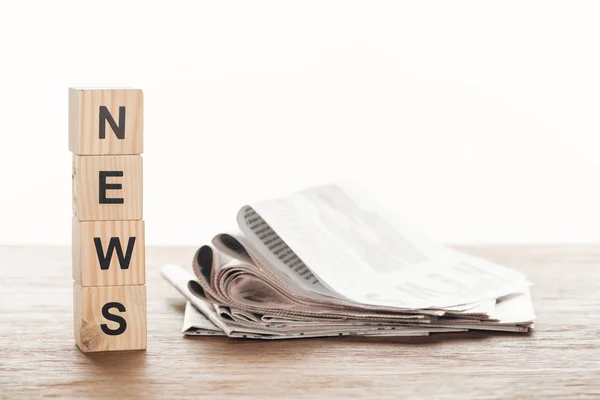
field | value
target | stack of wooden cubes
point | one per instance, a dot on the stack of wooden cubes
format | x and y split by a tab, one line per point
109	292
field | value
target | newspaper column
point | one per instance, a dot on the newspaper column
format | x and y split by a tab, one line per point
109	291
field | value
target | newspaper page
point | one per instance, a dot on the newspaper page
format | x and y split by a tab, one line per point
339	241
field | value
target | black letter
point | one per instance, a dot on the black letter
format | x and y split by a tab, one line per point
106	116
106	186
114	243
115	318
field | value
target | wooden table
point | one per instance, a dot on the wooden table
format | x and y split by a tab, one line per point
561	359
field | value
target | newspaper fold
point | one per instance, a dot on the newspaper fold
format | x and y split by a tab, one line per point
328	261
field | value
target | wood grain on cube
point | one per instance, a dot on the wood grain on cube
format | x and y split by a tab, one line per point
110	318
106	121
107	253
97	195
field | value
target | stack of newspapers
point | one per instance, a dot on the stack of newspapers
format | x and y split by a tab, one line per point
329	261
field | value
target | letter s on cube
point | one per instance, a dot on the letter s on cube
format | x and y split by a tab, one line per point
110	318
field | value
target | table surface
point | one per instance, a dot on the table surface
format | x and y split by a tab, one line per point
561	359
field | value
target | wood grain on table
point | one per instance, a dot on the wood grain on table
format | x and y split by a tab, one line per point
560	360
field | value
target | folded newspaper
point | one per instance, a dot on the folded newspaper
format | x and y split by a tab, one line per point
329	261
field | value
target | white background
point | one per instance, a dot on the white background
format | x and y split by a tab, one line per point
477	121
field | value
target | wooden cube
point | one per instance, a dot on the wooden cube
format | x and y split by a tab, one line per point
106	121
108	253
110	318
107	188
